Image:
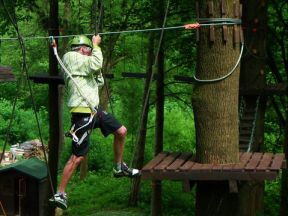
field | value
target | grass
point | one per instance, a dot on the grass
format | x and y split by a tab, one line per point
101	195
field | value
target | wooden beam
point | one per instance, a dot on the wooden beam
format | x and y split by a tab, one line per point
47	79
136	75
5	69
6	74
184	79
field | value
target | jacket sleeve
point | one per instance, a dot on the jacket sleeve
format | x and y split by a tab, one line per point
96	60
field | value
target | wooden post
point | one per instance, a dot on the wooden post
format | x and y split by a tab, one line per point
156	185
53	105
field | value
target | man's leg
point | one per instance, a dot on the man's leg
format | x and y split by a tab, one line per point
69	168
120	168
118	145
60	198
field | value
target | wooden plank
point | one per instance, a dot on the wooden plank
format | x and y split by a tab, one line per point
254	161
166	162
5	69
206	167
265	162
243	160
211	176
188	164
277	162
179	161
196	167
6	74
155	161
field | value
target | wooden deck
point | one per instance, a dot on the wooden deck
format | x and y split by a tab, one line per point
6	74
182	166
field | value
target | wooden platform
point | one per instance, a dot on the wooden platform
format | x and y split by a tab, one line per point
6	74
182	166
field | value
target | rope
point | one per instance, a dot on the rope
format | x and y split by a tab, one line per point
126	31
25	71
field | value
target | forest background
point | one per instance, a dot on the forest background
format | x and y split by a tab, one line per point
99	192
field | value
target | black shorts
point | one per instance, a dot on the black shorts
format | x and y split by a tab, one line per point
106	122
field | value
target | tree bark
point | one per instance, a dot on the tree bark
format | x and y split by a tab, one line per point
215	108
215	105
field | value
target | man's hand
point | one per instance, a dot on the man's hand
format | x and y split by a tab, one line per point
96	40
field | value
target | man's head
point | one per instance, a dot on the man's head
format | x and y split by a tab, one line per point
81	44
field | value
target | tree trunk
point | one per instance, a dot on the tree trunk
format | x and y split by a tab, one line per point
54	135
215	108
156	185
253	76
138	158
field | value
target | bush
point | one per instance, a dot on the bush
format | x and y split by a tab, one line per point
24	125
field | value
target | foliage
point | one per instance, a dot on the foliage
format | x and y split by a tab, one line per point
24	126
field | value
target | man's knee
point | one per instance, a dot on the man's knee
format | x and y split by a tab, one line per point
76	159
121	132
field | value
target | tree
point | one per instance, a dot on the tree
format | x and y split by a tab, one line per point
253	77
216	108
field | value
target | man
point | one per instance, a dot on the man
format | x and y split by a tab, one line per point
84	62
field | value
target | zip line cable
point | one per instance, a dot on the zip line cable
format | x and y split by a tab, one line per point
225	21
25	72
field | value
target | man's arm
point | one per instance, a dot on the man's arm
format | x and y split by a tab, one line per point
96	61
